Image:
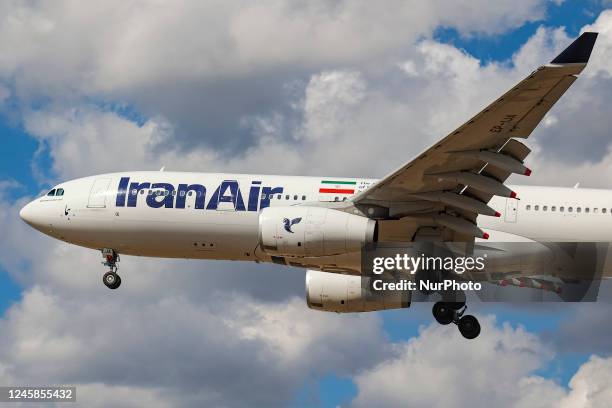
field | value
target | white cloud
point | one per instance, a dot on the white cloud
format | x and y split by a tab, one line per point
112	46
440	369
330	97
409	68
181	352
207	67
96	141
599	62
590	386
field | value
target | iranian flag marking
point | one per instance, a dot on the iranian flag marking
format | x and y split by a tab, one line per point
337	187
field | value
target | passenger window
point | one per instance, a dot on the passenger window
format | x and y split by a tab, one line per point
578	209
569	209
595	210
561	209
295	197
59	192
287	197
536	207
528	207
303	198
141	192
553	208
150	192
51	193
336	199
278	197
134	192
544	208
586	210
182	193
190	193
263	196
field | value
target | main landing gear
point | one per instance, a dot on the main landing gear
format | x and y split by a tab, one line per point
110	278
453	312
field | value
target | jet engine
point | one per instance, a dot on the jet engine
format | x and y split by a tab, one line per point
333	292
302	231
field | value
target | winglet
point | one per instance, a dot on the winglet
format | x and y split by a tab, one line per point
577	52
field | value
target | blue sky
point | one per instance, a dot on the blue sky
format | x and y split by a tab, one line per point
28	164
571	14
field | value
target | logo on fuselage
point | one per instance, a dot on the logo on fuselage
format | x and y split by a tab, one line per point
226	195
290	223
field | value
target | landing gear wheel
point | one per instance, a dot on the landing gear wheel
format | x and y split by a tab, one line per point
111	280
443	313
469	327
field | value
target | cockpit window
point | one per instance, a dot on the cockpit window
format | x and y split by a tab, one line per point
56	192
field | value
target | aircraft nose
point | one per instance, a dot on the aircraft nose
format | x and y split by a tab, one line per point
27	213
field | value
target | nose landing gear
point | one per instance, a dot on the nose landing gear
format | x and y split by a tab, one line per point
452	312
111	279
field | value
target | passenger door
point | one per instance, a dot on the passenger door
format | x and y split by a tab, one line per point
511	210
97	195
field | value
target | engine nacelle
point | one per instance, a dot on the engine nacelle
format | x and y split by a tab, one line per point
333	292
302	231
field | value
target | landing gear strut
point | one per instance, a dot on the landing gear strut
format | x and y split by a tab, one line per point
452	312
110	278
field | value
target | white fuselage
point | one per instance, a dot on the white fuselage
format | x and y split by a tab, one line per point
216	216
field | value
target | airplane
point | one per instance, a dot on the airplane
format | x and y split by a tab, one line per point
454	191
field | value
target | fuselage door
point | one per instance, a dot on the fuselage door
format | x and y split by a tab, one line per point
97	195
511	209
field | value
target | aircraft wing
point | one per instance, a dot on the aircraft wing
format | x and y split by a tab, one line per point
446	187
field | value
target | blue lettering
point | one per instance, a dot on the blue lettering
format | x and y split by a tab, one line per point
167	200
254	195
121	191
234	197
133	195
228	192
183	191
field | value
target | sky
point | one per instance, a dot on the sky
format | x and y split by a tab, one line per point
344	88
